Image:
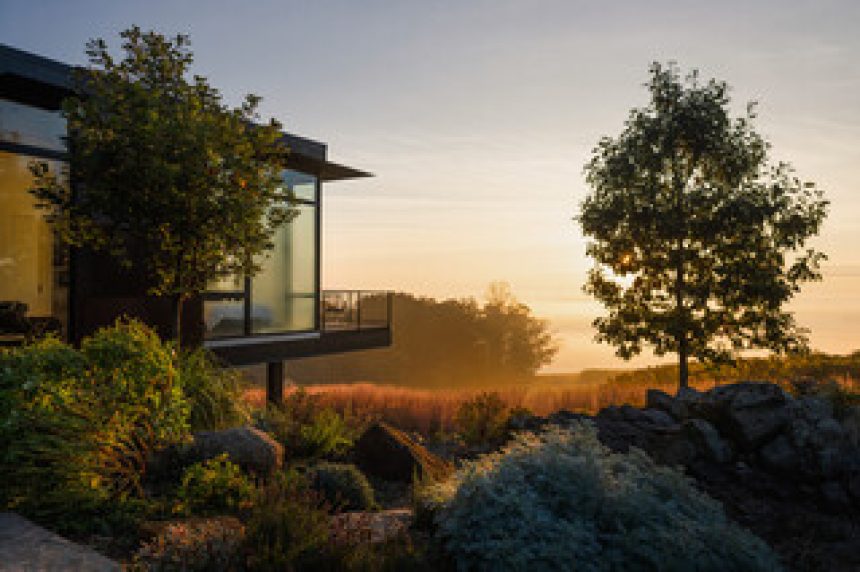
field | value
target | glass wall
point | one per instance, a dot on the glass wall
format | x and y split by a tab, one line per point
282	297
33	269
31	126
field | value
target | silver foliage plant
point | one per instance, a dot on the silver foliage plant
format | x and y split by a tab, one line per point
560	500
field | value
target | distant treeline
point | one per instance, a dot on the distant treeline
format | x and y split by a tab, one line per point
445	344
816	365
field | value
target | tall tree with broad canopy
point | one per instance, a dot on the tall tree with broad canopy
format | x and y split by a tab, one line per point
698	239
167	177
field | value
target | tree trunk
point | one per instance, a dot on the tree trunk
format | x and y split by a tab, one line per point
683	371
178	300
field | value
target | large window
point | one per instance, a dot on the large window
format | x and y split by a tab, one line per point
283	296
26	125
33	270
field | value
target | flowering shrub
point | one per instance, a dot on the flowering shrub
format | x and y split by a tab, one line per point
560	500
77	426
198	545
214	486
343	486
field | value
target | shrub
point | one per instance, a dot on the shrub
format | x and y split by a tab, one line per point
561	500
305	428
482	420
201	545
78	426
214	393
343	486
214	486
289	527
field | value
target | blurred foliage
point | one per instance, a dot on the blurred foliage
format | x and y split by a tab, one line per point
483	419
343	486
216	486
562	501
844	369
445	344
306	428
214	393
77	426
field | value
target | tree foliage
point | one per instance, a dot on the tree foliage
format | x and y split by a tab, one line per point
446	343
168	178
699	239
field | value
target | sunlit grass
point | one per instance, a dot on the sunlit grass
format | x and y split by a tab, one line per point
429	411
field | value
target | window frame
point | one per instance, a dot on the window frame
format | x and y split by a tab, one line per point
245	295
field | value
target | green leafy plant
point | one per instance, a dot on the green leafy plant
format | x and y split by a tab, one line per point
483	419
78	425
306	428
343	486
289	528
699	239
214	393
178	185
214	486
194	546
562	501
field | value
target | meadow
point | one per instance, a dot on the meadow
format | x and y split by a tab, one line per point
432	410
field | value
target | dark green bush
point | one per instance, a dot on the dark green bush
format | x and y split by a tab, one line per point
306	428
77	426
214	393
289	528
343	486
215	486
482	420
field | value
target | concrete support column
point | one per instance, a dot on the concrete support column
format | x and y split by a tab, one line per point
275	382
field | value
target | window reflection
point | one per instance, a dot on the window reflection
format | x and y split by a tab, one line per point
283	293
33	269
27	125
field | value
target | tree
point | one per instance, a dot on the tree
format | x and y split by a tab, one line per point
699	240
168	178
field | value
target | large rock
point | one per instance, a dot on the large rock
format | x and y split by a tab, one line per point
780	456
388	453
707	440
750	413
250	448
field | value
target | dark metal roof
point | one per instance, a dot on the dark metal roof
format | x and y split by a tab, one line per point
43	82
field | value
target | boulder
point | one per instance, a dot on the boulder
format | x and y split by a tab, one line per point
656	399
780	456
751	413
388	453
707	440
658	417
834	496
250	448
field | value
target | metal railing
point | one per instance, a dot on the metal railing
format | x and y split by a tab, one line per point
353	310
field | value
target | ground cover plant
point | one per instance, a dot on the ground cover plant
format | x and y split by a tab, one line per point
562	501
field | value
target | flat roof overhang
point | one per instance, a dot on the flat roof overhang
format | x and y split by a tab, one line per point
36	80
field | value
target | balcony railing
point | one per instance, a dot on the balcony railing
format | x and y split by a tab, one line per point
354	310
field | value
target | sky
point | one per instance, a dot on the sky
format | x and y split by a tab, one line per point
477	116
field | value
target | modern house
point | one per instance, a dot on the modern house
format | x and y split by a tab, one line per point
279	314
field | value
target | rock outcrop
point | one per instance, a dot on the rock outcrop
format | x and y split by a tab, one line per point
388	453
250	448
